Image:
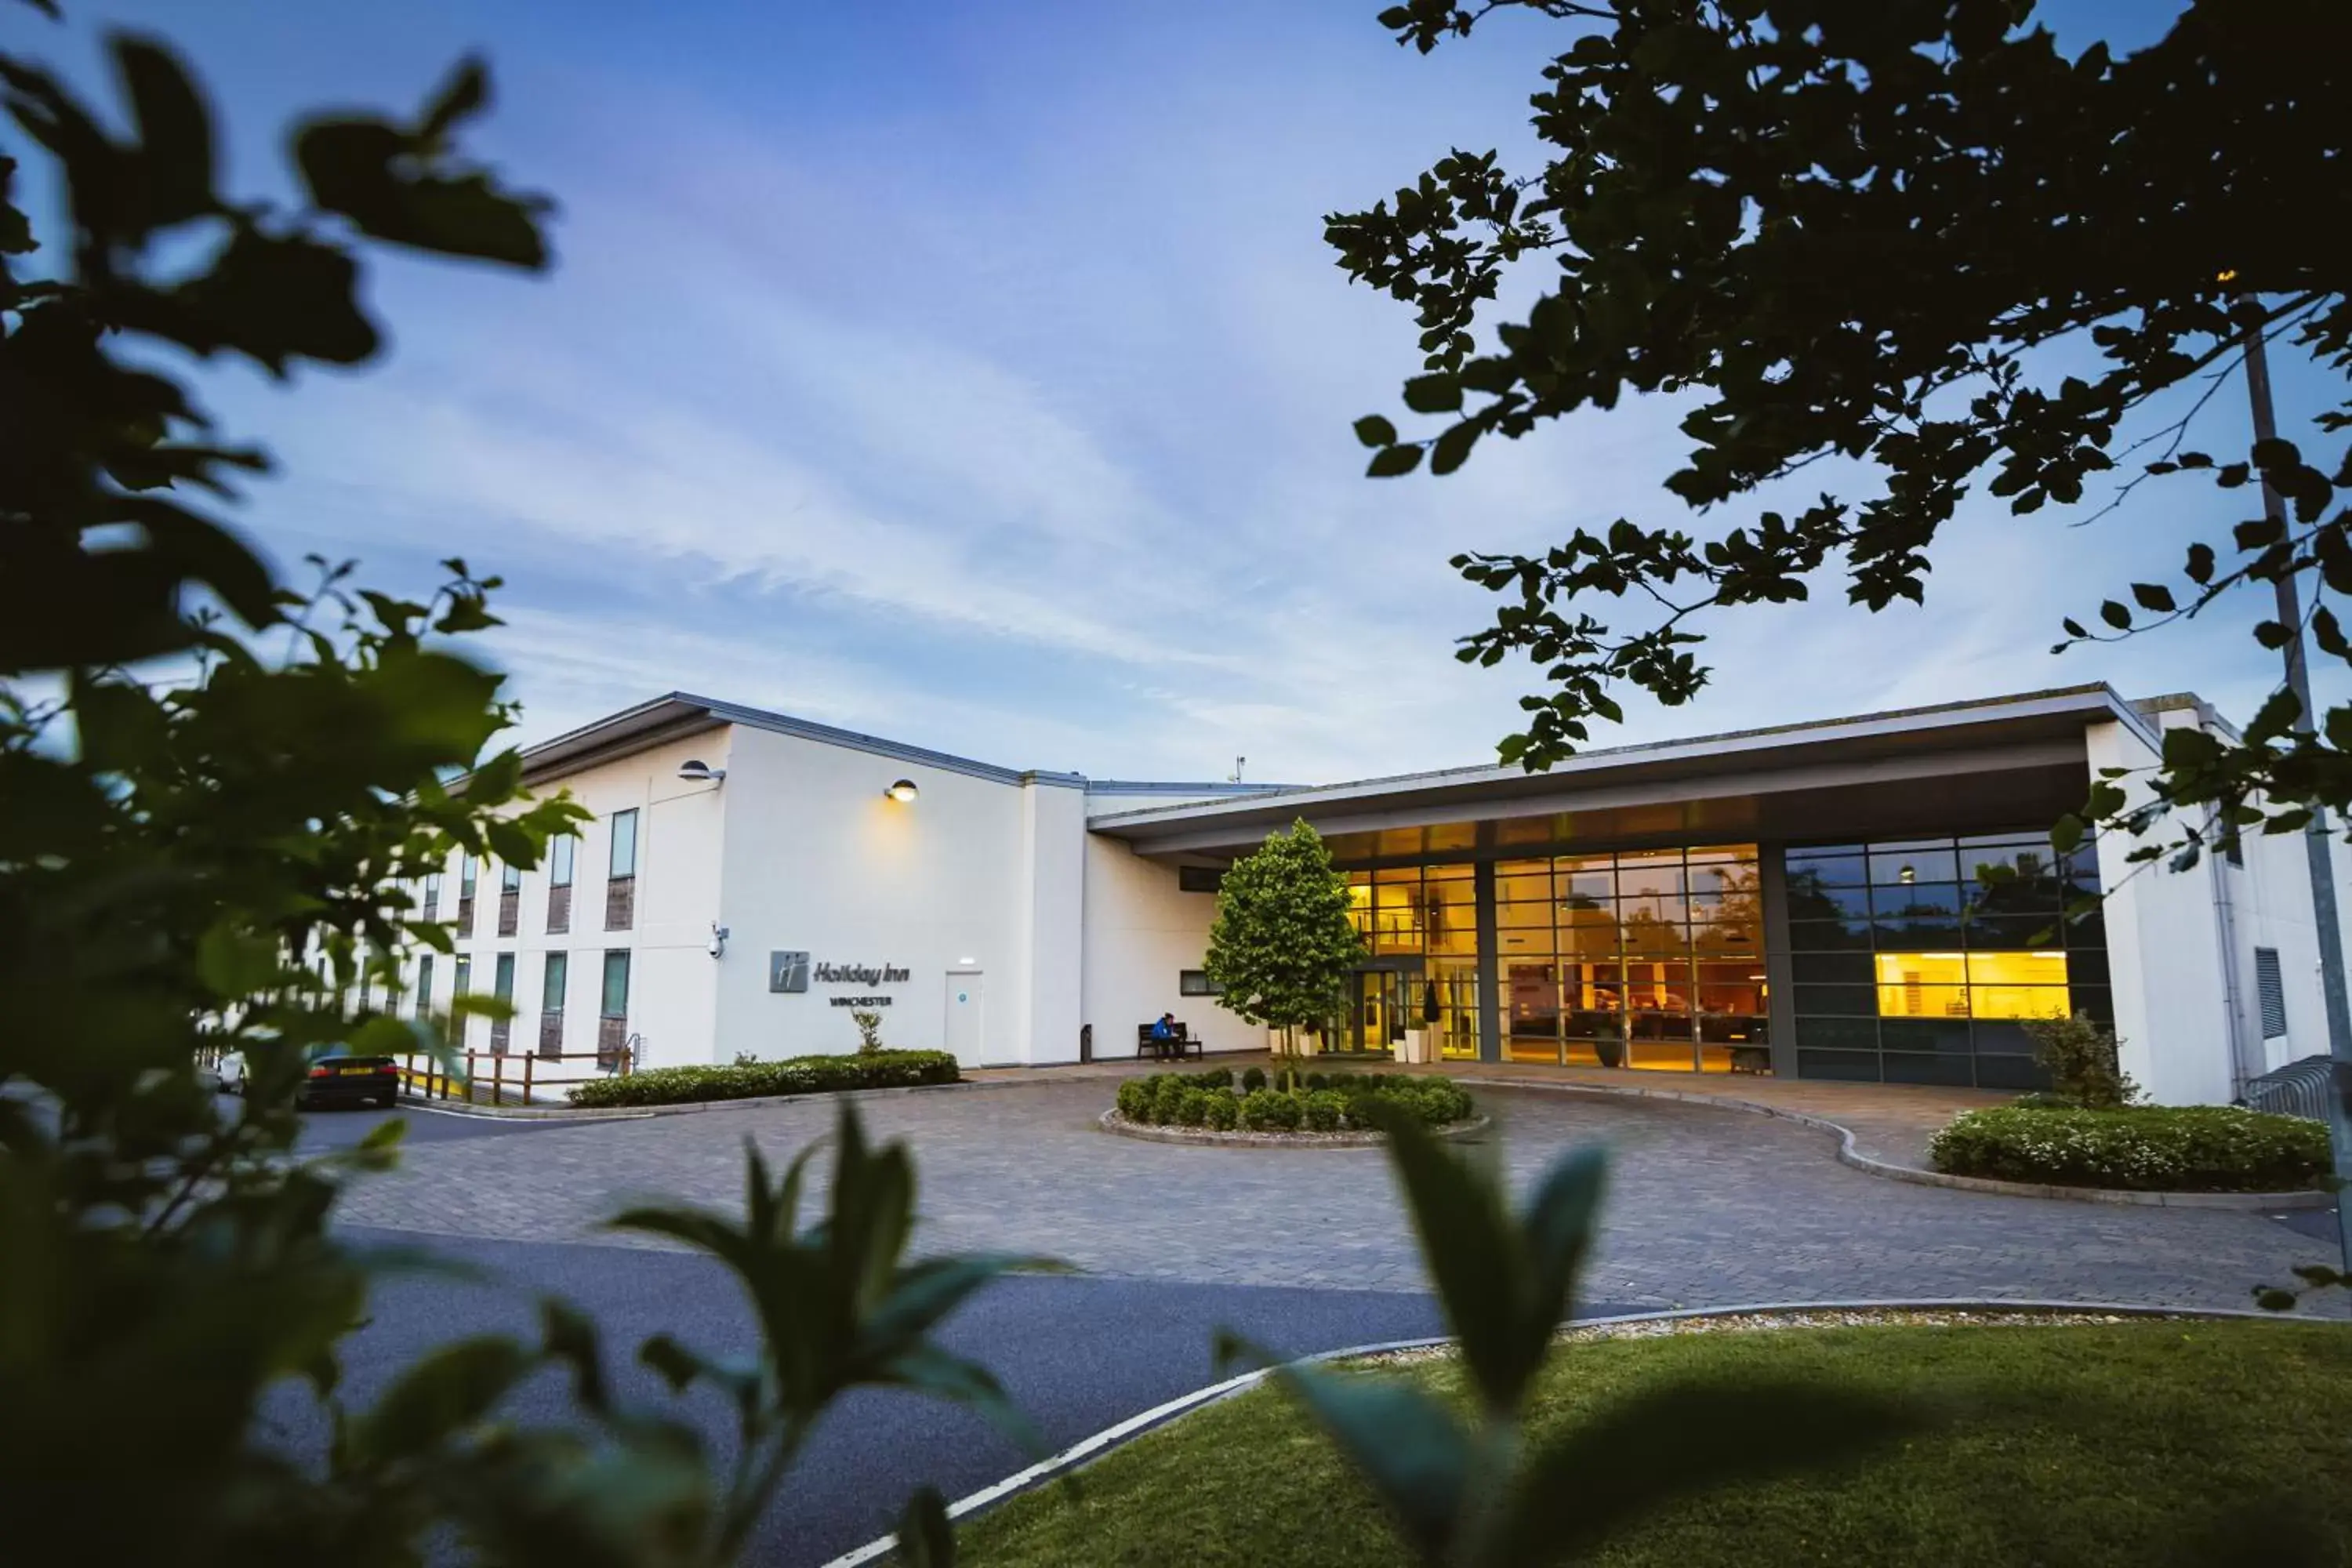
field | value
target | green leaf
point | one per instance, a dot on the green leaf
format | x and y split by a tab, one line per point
234	964
925	1537
2066	833
1404	1443
175	137
1373	430
2116	615
569	1336
1440	393
1390	462
464	95
2153	596
276	300
369	172
1661	1443
446	1393
1474	1256
1451	449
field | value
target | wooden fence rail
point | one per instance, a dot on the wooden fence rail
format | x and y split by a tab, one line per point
431	1080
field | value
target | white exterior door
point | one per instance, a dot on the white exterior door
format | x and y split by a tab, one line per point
967	1008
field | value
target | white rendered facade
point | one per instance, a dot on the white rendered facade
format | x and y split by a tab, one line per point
1025	918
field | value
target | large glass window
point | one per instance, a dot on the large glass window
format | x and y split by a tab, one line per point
1652	959
559	861
1920	960
1420	926
623	862
615	1000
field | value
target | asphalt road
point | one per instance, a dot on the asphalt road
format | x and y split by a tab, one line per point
1076	1353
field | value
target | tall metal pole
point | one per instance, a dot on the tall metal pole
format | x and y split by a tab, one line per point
2317	849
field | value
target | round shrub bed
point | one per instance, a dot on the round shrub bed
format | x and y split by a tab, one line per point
2167	1149
758	1080
1320	1105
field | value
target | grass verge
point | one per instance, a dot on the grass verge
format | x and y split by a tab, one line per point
2135	1442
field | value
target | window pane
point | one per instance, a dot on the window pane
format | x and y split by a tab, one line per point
1812	900
1843	1034
1857	1066
559	861
551	991
1901	863
1515	916
1920	1001
1828	936
1834	866
465	976
1833	968
424	985
502	981
466	873
510	877
1849	1001
1927	1067
1657	874
625	844
1527	881
1994	932
616	985
1588	932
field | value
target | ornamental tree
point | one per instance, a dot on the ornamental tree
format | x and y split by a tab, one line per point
1283	946
1916	236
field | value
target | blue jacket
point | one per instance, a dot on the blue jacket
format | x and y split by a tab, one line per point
1160	1031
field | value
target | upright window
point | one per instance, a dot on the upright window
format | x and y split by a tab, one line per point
425	986
502	987
509	899
431	907
612	1013
2270	990
551	1004
466	870
461	1025
559	884
621	873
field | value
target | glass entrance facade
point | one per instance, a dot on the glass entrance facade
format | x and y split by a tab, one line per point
1648	959
1420	924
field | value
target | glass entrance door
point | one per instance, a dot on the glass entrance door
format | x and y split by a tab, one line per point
1377	1021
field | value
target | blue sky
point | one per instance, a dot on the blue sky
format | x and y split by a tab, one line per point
975	374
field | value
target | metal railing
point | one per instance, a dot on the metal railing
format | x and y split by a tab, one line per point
423	1078
2298	1088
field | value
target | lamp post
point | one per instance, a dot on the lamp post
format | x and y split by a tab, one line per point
2318	852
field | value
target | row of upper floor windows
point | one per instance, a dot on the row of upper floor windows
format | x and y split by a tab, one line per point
562	855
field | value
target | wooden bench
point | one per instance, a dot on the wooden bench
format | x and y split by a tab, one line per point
1148	1044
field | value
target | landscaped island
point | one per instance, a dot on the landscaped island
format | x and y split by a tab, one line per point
1321	1103
2140	1148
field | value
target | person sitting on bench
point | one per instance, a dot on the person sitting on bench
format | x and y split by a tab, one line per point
1163	1033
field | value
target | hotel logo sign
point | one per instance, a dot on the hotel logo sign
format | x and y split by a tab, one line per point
790	972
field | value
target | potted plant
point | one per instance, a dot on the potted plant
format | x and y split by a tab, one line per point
1420	1044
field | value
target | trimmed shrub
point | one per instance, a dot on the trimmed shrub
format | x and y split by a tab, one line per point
1322	1109
2082	1060
1316	1081
2180	1149
1193	1106
757	1080
1253	1079
1216	1078
1168	1091
1135	1100
1224	1110
1270	1110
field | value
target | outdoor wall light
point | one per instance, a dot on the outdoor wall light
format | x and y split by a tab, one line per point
1908	874
696	771
904	791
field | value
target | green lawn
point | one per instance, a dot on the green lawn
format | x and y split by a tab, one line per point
2142	1442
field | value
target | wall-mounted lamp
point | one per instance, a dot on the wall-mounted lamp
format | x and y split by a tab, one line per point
1909	874
696	771
719	935
904	791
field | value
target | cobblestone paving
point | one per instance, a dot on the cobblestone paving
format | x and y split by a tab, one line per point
1707	1206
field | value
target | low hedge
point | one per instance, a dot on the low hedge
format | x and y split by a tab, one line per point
2171	1149
757	1080
1341	1101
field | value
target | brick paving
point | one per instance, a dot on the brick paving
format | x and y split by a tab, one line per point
1708	1206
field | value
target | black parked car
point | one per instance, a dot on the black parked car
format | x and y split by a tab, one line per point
335	1077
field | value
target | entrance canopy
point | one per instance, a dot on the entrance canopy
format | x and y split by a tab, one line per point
1962	767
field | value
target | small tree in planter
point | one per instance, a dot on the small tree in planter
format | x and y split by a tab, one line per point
2083	1062
1283	946
869	1032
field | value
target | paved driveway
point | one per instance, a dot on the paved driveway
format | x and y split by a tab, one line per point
1708	1207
